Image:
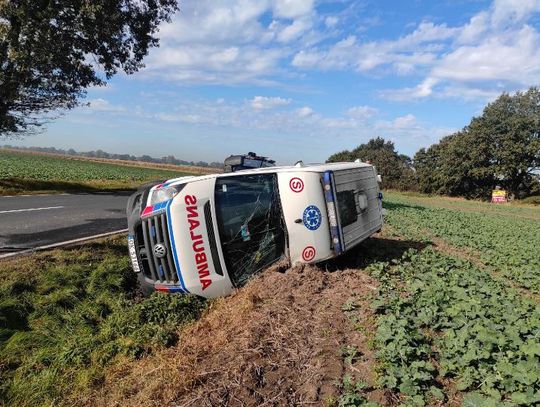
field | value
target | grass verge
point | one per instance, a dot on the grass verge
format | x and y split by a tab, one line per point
67	315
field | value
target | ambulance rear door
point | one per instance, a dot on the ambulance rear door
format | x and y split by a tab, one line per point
358	208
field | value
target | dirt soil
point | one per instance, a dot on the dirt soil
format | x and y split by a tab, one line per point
277	341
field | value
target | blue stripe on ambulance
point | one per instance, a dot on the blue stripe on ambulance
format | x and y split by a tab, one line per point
331	199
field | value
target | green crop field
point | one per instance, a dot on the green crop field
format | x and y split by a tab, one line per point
458	315
23	172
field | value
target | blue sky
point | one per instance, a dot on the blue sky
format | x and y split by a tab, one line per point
302	79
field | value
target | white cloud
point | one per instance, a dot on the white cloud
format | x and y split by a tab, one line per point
407	124
217	21
401	55
331	21
305	59
362	112
502	60
215	65
280	118
496	47
407	130
422	90
293	31
185	118
470	93
426	32
276	114
337	123
305	111
495	51
512	56
228	42
268	42
263	102
505	10
404	122
471	33
102	105
292	8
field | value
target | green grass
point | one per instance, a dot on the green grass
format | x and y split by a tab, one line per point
531	200
67	315
25	172
449	330
522	208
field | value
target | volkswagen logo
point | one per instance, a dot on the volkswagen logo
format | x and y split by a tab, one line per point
160	250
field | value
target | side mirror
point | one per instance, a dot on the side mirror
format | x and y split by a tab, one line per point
234	160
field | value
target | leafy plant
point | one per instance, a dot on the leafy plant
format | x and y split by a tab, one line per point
443	317
505	244
353	394
349	305
350	353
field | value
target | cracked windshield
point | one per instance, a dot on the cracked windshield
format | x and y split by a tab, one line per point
250	223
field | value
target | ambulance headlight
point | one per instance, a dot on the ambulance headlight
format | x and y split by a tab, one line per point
164	194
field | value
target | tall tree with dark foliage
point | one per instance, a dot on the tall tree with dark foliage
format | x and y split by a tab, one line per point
395	169
51	51
499	148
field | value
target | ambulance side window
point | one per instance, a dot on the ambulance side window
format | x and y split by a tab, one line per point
347	207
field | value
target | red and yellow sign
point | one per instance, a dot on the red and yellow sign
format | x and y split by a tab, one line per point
498	196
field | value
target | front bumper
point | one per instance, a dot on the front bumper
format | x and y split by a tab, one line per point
150	240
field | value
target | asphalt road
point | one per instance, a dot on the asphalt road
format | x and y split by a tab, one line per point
28	222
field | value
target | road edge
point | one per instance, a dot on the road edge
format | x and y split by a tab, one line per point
61	244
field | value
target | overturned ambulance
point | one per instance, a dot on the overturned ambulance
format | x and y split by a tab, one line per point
209	234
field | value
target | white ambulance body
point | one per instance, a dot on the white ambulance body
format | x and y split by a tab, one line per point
209	234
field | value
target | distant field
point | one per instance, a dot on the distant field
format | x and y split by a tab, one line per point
191	169
22	172
514	208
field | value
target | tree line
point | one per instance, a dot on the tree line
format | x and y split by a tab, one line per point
170	159
500	148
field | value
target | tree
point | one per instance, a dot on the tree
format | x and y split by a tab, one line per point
501	147
511	126
51	51
395	169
